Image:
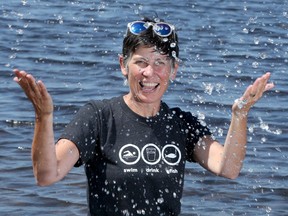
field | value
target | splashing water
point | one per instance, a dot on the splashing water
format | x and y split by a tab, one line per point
264	126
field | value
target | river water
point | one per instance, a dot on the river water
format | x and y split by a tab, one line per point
73	47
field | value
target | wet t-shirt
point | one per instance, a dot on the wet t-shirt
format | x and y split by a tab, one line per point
134	165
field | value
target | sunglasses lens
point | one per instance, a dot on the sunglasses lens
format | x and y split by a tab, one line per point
162	29
137	27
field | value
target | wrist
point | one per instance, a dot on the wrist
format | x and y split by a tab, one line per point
240	108
43	117
240	114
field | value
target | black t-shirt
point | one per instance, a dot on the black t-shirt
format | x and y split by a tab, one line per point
134	165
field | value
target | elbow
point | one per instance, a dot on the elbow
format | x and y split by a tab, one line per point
229	175
44	178
232	176
43	181
230	172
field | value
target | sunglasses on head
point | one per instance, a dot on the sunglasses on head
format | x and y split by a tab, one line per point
162	29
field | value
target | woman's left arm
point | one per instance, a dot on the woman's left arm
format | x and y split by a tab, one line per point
227	160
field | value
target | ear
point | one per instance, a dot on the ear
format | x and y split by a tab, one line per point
122	66
174	71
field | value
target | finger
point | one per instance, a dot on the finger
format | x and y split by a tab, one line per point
259	85
246	93
33	85
27	83
269	86
19	75
26	80
42	88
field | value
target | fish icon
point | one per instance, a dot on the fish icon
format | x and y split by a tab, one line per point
171	155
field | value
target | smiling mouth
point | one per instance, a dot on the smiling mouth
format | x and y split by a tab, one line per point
148	86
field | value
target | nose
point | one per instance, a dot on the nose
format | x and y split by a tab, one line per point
148	71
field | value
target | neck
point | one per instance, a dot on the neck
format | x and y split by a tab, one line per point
142	108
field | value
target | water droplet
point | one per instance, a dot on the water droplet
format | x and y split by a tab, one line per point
245	30
263	139
255	64
20	31
220	132
172	45
208	88
256	40
157	19
263	55
264	126
268	209
251	129
201	116
278	149
250	170
174	54
271	40
160	200
24	2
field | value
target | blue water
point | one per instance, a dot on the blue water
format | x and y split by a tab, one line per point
73	47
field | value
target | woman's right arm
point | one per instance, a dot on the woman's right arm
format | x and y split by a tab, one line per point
50	162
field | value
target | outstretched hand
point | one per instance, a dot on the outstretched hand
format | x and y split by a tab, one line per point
36	93
252	94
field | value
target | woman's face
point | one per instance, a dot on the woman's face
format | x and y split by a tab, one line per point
148	73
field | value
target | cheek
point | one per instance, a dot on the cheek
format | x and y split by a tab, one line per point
164	73
135	71
133	74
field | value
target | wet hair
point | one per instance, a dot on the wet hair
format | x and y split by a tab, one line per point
166	45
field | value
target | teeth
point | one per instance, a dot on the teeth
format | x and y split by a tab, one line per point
149	84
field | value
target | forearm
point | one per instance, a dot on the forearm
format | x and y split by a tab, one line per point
227	160
235	146
43	151
50	162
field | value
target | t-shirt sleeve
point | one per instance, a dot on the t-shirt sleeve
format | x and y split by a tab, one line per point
195	131
82	131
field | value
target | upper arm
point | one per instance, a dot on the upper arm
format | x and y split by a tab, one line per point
67	155
208	153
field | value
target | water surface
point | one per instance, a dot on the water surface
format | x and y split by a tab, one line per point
73	47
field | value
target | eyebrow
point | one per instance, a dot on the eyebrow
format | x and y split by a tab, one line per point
166	58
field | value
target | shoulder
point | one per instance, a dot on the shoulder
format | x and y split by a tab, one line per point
103	109
96	108
191	121
99	105
183	115
177	114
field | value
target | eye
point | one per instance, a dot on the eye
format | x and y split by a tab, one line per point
159	62
141	63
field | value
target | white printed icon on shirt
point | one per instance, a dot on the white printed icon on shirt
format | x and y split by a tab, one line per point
151	154
130	154
171	154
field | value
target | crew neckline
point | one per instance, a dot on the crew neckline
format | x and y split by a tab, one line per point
138	117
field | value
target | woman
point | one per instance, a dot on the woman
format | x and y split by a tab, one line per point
134	147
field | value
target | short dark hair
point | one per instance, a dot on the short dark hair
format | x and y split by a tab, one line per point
168	45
